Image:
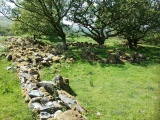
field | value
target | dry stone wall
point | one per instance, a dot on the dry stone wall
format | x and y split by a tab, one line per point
50	99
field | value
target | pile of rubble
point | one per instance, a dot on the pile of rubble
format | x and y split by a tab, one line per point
117	56
35	53
50	99
85	44
111	56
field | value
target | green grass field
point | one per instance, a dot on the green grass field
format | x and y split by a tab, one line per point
12	105
128	91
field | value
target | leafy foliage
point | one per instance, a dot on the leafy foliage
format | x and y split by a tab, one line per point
97	19
42	15
5	31
140	16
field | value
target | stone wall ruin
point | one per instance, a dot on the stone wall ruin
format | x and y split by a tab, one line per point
50	99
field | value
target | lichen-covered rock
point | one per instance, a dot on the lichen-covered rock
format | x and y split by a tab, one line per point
44	115
46	98
35	93
35	105
27	98
57	114
70	115
63	83
137	57
9	57
114	58
67	99
56	58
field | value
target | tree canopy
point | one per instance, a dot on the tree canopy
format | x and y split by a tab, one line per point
95	18
140	17
50	11
98	19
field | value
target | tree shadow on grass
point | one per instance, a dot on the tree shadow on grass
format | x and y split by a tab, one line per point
70	91
94	54
152	54
53	39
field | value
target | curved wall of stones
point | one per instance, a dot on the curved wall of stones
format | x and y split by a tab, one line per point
50	99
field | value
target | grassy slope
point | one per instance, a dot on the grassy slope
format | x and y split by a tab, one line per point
119	92
12	105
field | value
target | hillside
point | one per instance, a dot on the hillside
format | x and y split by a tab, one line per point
4	21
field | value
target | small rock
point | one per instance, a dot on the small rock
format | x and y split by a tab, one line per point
44	100
34	105
27	98
45	63
43	83
9	68
98	114
49	109
31	86
49	88
57	105
71	115
62	83
20	60
26	75
50	119
69	101
56	59
44	115
42	89
79	108
49	103
50	56
47	85
35	93
24	69
2	54
23	80
36	99
9	57
57	114
45	59
46	94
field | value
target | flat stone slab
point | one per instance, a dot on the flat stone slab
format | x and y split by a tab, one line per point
35	93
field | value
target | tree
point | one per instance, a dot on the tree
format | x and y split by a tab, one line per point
34	24
140	16
5	31
95	18
53	12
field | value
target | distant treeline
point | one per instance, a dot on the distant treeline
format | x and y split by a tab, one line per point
6	31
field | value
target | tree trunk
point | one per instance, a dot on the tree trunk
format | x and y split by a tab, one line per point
64	44
34	36
135	43
100	40
130	45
